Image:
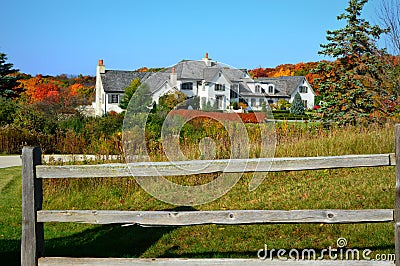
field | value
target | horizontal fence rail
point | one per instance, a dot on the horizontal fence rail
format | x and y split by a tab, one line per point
34	216
142	169
174	218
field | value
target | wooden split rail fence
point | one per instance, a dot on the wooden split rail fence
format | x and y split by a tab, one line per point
33	216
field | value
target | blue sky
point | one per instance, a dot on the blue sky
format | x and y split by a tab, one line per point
57	36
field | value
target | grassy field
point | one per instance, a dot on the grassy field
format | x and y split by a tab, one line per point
361	188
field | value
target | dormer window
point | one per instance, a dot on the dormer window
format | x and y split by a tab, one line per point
258	88
303	89
271	89
219	87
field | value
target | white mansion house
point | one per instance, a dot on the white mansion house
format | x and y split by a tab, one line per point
212	82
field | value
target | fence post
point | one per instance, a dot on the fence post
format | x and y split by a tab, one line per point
397	196
32	241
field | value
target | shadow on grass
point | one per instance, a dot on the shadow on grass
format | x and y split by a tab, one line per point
107	241
10	252
101	241
131	242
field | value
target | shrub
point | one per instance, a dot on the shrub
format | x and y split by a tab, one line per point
297	107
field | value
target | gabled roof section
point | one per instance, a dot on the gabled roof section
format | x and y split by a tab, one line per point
155	81
292	82
117	80
189	69
235	74
210	73
284	86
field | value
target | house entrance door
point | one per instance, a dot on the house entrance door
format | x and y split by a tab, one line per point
220	102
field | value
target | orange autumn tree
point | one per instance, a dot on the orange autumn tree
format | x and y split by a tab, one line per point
299	69
284	70
53	92
38	88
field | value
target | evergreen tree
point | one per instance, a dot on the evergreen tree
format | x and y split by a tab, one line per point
353	86
235	105
141	101
129	91
297	107
8	81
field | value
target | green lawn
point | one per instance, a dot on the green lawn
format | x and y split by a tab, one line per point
341	189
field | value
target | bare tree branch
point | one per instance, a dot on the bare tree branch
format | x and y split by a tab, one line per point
389	17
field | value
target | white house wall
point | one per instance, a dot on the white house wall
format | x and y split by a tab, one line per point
100	93
309	96
113	107
212	93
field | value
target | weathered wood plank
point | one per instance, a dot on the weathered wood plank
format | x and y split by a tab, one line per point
32	240
174	218
397	196
161	261
392	159
141	169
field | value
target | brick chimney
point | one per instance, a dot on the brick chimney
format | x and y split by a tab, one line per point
173	77
101	68
207	60
99	100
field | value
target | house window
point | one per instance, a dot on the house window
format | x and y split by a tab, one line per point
219	87
304	103
303	89
253	102
257	88
233	94
187	86
113	98
235	87
270	89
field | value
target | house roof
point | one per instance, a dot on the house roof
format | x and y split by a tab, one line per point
284	86
190	69
156	80
209	73
198	70
235	74
292	82
118	80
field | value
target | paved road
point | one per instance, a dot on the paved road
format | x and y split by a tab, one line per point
15	160
10	160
